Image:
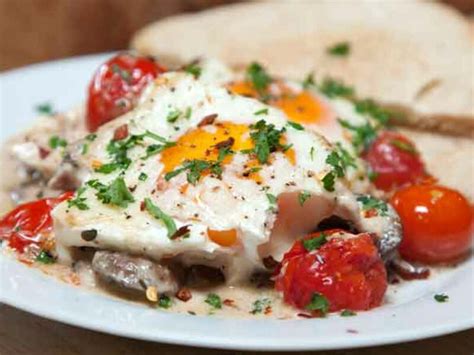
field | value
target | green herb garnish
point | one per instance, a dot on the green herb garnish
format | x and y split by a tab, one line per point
308	82
156	212
266	139
318	303
164	301
78	201
263	111
405	146
124	74
173	115
371	203
340	49
303	196
45	258
45	109
348	313
193	69
369	107
315	243
363	135
214	301
340	160
441	298
116	193
142	177
260	305
259	78
188	112
56	142
334	88
296	126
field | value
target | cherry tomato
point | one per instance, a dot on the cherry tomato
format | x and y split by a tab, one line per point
347	272
30	222
394	160
437	223
116	86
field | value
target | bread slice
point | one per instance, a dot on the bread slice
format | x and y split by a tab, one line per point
414	56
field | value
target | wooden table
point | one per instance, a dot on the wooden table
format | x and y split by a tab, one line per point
24	334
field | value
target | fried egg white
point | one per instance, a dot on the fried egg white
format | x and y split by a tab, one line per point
232	220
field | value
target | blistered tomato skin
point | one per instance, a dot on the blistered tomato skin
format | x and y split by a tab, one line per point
348	272
116	86
437	223
28	223
394	161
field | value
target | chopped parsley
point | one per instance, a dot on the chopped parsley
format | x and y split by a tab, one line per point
142	177
340	160
308	82
45	258
311	153
340	49
124	74
90	138
441	298
266	139
315	243
263	111
193	69
188	112
405	146
78	201
156	212
116	193
214	301
56	142
334	88
348	313
259	78
363	135
173	115
272	199
296	126
303	196
45	109
164	301
371	203
260	305
318	303
118	151
369	107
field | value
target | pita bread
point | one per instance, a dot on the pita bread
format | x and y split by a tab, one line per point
416	55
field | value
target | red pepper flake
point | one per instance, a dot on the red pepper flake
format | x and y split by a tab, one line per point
184	294
121	132
208	120
268	310
43	153
181	232
142	206
305	315
229	302
225	144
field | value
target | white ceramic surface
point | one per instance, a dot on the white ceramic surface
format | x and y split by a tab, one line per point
410	311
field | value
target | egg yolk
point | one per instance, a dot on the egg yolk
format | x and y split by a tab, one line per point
203	144
303	107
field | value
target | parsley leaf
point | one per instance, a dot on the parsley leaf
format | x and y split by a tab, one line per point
334	88
348	313
340	160
164	301
260	305
173	115
123	73
315	243
340	49
263	111
266	139
363	135
303	196
405	146
441	298
56	142
116	193
193	69
318	303
271	198
308	82
78	201
45	109
142	176
214	300
370	203
45	258
156	212
296	126
369	107
259	78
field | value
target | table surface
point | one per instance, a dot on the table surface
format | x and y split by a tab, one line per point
25	334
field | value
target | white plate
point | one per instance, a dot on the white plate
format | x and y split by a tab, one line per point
410	312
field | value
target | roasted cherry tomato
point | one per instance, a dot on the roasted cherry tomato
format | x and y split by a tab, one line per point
30	222
394	161
116	86
339	273
437	223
